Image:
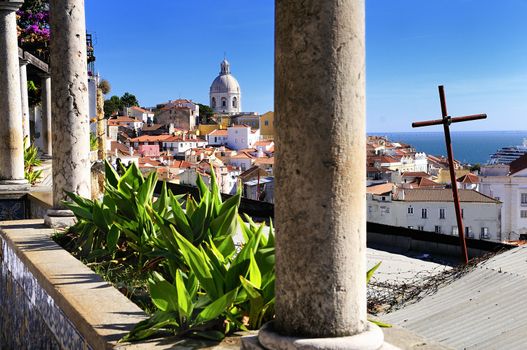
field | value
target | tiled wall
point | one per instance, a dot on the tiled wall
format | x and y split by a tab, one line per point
29	318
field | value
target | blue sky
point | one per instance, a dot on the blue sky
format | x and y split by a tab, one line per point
167	49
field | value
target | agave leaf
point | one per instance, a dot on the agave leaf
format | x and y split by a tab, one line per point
163	294
147	328
371	271
112	178
216	308
254	273
380	323
184	302
197	263
112	238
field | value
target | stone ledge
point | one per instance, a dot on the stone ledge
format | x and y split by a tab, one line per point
98	311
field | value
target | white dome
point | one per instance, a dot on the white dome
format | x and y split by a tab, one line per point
225	84
225	92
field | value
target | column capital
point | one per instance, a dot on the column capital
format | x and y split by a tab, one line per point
10	5
44	75
23	62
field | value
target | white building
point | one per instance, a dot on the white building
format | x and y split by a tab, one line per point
241	137
225	93
432	210
178	145
217	137
226	176
139	113
508	183
126	122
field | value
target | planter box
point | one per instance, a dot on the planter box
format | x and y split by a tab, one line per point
50	300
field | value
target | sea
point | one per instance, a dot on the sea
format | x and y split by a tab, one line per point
469	147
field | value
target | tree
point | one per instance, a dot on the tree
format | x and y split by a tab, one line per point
112	105
205	114
129	100
105	86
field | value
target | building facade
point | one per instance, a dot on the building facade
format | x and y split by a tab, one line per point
432	210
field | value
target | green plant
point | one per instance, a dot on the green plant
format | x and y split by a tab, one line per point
369	275
31	160
215	291
93	142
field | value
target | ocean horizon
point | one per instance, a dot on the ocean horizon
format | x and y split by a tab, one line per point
469	147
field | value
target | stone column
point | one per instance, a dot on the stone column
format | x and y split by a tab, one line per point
101	126
69	107
320	199
46	115
24	99
11	134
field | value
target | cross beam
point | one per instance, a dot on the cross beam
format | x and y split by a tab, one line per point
446	120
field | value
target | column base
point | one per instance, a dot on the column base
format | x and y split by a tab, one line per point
371	339
14	186
59	218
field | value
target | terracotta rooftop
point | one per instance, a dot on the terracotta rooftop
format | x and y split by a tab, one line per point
469	179
380	189
444	195
150	138
415	174
219	132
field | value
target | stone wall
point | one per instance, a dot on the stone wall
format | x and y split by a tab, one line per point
50	300
29	317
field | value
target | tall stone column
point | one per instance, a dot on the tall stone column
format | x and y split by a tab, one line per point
24	99
11	134
320	199
46	114
69	107
101	126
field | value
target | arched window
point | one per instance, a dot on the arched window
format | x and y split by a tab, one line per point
213	102
234	102
223	102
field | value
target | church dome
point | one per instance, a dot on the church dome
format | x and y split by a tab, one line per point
225	82
225	94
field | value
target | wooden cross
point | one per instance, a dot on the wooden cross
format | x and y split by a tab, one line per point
446	120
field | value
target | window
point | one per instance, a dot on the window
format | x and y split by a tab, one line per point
468	231
484	233
421	228
234	102
523	214
524	199
455	231
424	213
437	229
410	211
223	102
213	102
266	123
441	213
462	213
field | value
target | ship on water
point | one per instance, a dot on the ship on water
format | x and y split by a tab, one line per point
508	154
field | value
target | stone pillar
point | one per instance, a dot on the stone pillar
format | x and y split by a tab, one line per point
320	199
69	107
24	99
11	133
101	126
46	115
